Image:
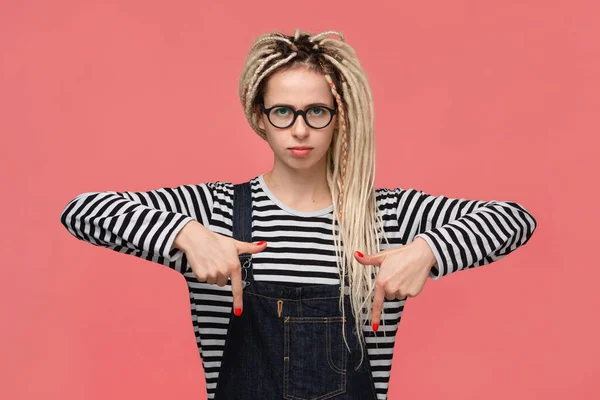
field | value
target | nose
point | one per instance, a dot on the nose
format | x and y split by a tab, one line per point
300	129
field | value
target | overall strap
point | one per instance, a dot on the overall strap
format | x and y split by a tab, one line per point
242	225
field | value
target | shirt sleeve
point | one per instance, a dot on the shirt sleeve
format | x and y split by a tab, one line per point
143	224
462	233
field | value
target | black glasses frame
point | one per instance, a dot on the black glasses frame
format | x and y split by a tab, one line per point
267	111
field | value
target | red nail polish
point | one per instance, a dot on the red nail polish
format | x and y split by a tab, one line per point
375	327
261	243
359	254
238	312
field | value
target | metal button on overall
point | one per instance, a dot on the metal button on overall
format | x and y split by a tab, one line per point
288	342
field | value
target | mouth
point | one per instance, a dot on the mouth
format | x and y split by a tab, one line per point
300	150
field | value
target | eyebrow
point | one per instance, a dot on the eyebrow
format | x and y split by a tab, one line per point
307	106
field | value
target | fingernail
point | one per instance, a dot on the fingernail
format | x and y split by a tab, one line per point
238	312
261	243
358	253
375	327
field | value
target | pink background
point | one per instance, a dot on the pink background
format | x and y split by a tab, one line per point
481	100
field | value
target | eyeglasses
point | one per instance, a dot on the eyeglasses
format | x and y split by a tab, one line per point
317	117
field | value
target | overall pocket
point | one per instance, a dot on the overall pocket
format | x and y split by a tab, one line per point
314	358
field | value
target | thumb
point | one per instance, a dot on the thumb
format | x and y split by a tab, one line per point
251	248
369	259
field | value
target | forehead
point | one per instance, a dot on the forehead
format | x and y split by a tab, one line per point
297	86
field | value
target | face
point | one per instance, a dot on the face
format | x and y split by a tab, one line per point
300	89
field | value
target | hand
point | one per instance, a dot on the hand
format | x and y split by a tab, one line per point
403	272
214	257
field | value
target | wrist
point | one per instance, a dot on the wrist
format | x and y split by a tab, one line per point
182	240
427	252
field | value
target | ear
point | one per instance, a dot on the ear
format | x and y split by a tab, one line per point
259	117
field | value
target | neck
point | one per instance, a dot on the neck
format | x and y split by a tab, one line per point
302	190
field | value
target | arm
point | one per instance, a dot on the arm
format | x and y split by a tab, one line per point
143	224
462	233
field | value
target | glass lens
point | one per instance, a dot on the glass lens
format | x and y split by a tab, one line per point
318	117
281	116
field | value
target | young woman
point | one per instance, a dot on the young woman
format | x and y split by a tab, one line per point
283	300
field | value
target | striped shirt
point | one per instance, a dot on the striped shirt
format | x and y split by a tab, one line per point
462	234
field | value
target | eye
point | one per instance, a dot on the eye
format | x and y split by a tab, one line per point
282	111
317	111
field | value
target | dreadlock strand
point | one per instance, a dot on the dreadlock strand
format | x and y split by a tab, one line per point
260	54
364	84
355	104
251	65
320	35
341	48
251	84
344	139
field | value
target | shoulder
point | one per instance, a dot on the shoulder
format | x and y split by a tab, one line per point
221	188
225	188
387	199
223	191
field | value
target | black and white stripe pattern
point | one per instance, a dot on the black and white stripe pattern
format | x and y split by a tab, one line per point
462	234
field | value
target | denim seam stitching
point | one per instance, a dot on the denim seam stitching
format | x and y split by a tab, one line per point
286	363
329	344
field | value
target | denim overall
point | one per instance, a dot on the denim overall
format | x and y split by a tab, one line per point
288	343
